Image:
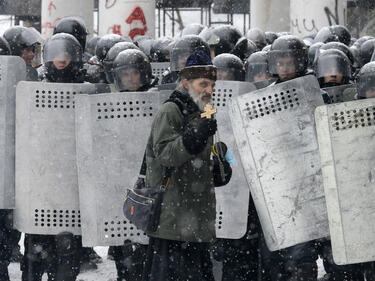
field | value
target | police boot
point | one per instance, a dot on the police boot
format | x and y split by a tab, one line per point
302	271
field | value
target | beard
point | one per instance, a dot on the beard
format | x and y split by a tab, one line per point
198	99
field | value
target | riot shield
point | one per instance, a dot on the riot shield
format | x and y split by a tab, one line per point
346	135
12	70
341	93
158	68
46	173
275	133
232	200
112	132
169	86
263	84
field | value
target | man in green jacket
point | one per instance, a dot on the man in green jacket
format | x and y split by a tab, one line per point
182	140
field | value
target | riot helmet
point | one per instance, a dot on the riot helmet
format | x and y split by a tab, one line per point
362	40
267	48
229	67
288	58
91	46
111	56
244	48
25	42
183	48
75	26
258	37
312	52
105	43
333	33
4	47
256	67
160	50
340	46
366	51
192	29
132	71
270	37
221	39
62	56
366	81
332	68
144	43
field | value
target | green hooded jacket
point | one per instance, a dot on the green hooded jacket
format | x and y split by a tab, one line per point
189	207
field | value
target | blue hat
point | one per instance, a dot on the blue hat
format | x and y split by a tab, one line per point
198	65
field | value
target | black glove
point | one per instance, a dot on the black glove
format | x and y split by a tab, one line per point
222	169
195	137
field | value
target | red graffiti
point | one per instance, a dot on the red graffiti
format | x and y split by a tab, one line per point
115	29
137	15
49	25
50	7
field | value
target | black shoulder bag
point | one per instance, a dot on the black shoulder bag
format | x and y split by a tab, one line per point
142	205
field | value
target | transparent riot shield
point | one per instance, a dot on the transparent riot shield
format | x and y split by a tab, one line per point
263	84
112	132
341	93
232	200
169	86
346	134
12	70
158	68
46	172
275	133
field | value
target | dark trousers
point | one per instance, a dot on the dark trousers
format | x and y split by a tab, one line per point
297	263
56	255
350	272
8	240
169	260
129	259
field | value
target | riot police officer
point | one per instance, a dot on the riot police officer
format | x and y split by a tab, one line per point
258	37
26	42
366	81
160	50
181	50
244	48
9	236
288	59
336	33
132	73
221	39
58	255
256	67
332	68
229	67
111	56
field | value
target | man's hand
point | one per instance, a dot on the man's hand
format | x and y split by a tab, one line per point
195	137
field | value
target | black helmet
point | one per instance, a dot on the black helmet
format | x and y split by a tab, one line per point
312	52
333	33
366	51
362	40
183	48
366	79
111	56
145	44
91	46
160	50
270	37
258	37
75	26
105	43
229	67
20	38
192	29
4	47
255	65
134	60
64	48
244	48
288	46
221	39
332	62
267	48
340	46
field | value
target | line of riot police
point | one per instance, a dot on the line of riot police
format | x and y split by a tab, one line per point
262	58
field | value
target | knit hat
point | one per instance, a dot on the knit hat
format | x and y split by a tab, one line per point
198	65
